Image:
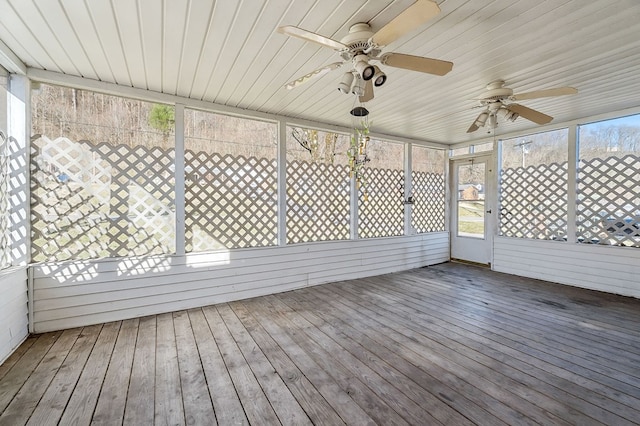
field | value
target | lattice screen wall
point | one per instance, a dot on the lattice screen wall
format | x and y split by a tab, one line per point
608	204
317	202
100	200
533	202
230	201
5	248
381	207
428	212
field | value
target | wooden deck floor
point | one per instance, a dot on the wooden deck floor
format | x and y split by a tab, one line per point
449	344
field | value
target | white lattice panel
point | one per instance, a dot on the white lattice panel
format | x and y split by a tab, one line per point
428	202
381	203
533	202
608	206
93	201
317	202
231	202
5	248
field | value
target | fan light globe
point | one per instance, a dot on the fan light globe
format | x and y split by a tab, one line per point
357	87
345	83
379	78
363	68
506	114
482	119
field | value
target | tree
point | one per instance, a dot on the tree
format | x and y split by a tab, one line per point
162	118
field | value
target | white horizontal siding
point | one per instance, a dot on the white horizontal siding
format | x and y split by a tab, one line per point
71	294
604	268
13	310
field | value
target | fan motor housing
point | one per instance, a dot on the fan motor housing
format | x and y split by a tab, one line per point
358	41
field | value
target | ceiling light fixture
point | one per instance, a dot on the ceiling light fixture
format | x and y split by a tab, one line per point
345	83
492	122
507	114
361	65
357	87
379	77
482	119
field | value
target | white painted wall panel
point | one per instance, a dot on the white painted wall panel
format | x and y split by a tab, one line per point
604	268
13	310
71	294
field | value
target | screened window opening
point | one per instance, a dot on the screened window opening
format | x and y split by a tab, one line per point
318	186
608	200
533	186
230	182
101	176
428	189
381	191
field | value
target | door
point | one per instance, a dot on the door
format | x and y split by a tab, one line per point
472	196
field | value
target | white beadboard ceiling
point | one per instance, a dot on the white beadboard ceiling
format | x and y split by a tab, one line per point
228	52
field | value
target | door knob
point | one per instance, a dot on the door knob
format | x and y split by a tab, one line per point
489	211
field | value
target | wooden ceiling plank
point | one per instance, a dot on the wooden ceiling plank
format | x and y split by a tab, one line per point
82	24
64	39
106	28
174	29
249	64
128	21
26	38
14	62
223	15
150	18
199	20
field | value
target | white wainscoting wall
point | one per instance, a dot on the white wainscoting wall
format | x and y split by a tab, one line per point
596	267
78	293
13	310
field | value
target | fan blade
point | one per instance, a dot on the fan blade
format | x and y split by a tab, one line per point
416	63
475	126
313	74
312	37
559	91
530	114
412	17
368	92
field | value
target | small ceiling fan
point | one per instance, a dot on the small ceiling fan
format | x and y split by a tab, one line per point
362	46
498	102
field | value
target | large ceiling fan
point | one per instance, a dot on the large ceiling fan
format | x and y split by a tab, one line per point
362	46
498	101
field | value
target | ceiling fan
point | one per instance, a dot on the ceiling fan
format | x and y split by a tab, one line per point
362	46
498	102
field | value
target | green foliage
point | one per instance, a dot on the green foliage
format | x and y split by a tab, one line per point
162	118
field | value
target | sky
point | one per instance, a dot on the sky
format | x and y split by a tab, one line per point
630	120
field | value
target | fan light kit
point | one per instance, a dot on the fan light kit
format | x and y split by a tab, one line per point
362	46
498	102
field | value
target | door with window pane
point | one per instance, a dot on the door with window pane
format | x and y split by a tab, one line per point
471	198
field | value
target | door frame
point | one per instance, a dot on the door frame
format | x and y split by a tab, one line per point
491	202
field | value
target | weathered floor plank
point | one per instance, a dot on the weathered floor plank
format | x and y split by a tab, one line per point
113	395
140	405
226	404
26	400
168	398
198	408
254	402
51	406
447	344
